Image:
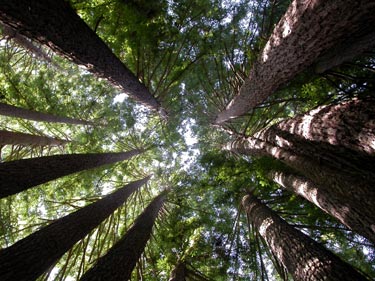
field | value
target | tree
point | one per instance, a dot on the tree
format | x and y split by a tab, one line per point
307	31
178	273
121	259
16	138
303	257
69	36
22	174
13	111
30	257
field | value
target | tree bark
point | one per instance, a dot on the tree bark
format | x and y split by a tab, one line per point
308	30
178	273
30	257
304	258
342	208
20	175
16	138
13	111
55	24
121	259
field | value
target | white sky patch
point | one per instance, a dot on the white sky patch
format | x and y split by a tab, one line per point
120	98
188	157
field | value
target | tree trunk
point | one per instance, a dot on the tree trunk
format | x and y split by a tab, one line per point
30	257
55	24
341	208
20	175
304	258
13	111
308	30
16	138
121	259
178	273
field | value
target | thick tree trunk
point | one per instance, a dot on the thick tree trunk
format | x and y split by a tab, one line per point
15	138
307	31
178	273
348	211
55	24
303	257
30	257
20	175
121	259
13	111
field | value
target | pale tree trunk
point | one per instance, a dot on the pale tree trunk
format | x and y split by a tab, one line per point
30	257
16	138
307	31
304	258
19	175
55	24
178	273
13	111
348	211
121	259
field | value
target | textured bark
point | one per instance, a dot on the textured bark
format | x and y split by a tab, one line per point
13	111
30	257
304	258
55	24
16	138
348	211
121	259
20	175
178	273
307	31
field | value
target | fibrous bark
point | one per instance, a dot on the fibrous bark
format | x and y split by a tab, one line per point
30	257
178	273
304	258
54	23
20	175
307	31
121	259
16	138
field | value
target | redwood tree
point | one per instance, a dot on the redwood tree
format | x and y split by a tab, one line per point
20	175
30	257
307	31
16	138
304	258
121	259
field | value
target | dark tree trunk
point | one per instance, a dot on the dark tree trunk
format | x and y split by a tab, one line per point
178	273
304	258
307	31
13	111
30	257
121	259
16	138
55	24
20	175
341	208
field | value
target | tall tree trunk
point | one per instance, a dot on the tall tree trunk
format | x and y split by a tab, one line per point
16	138
179	272
13	111
55	24
30	257
325	198
20	175
308	30
121	259
304	258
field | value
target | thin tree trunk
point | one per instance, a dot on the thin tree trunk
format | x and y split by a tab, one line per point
55	24
325	198
121	259
20	175
304	258
178	273
307	31
30	257
16	138
13	111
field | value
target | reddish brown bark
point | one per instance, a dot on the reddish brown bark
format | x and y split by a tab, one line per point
55	24
30	257
13	111
304	258
16	138
178	273
20	175
121	259
306	32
